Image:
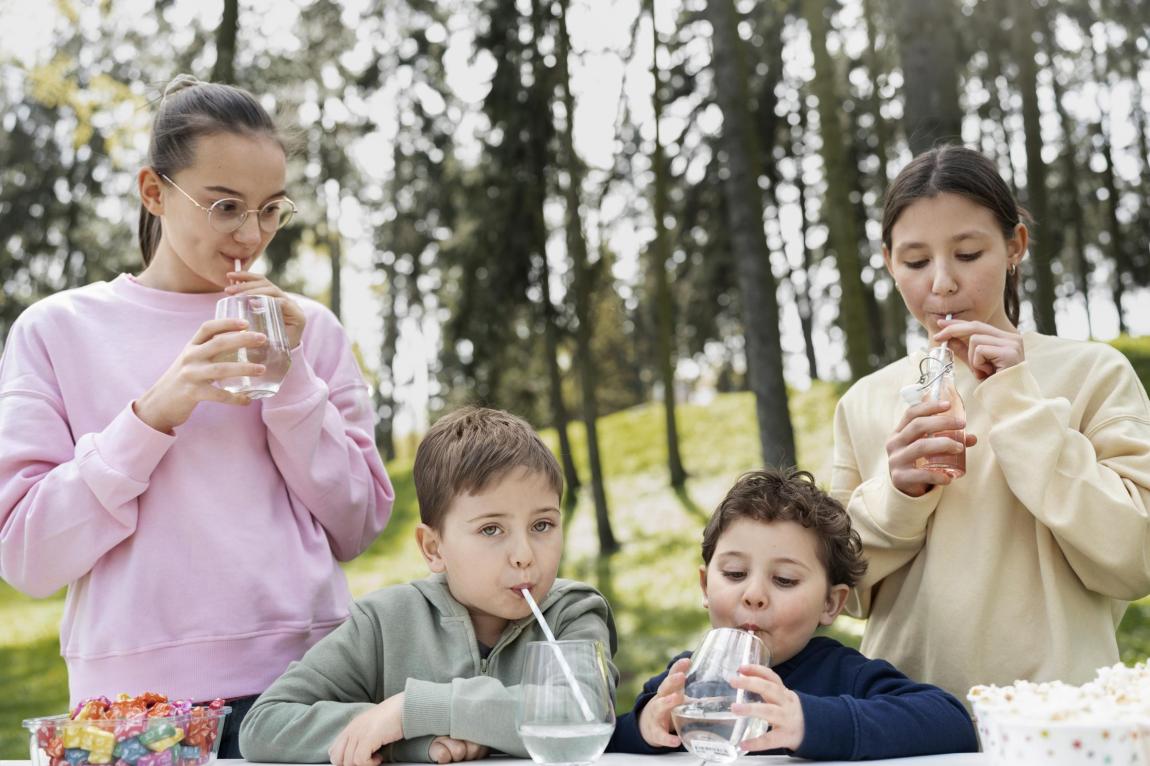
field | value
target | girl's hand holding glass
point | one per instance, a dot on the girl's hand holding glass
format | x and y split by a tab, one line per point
247	283
655	724
192	376
985	349
913	439
780	708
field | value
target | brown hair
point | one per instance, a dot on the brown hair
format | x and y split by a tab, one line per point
958	170
467	450
188	111
788	494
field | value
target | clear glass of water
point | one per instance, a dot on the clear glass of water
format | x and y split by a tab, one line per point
704	721
262	313
566	710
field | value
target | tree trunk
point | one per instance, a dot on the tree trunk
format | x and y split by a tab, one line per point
1042	298
838	214
1069	212
577	248
926	41
803	292
757	288
224	69
660	255
537	159
894	315
334	244
1110	184
385	388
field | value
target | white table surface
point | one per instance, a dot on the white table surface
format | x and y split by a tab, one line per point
686	759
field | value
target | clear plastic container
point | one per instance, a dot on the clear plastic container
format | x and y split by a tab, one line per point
184	739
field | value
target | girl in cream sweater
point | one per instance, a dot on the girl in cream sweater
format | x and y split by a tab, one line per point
1023	567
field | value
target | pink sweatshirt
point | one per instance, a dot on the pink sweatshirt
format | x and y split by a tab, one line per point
198	565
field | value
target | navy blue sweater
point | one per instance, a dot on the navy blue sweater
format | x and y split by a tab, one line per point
853	709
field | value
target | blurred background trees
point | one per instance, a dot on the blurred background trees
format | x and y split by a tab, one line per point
567	208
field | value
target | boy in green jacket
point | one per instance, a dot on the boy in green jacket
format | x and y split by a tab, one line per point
429	671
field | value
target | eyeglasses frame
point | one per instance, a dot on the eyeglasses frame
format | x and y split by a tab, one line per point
243	213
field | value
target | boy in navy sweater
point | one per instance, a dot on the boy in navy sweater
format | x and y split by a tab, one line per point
779	558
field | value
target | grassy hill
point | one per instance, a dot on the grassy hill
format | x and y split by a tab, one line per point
652	584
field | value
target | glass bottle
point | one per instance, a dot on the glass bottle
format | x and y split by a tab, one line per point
938	383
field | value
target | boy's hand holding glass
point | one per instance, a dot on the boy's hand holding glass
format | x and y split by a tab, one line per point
655	723
706	722
451	750
780	709
359	742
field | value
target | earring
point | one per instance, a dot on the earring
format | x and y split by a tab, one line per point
1013	268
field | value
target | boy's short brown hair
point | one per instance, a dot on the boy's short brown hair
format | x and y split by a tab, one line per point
789	494
468	449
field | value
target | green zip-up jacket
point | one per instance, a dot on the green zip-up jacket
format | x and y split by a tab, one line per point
414	638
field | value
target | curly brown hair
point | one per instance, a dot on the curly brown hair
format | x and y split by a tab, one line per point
788	494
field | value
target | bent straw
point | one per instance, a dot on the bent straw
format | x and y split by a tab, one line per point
583	706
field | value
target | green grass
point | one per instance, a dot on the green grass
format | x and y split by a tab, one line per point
651	584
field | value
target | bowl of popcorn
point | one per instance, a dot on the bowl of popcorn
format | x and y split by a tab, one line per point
147	730
1104	721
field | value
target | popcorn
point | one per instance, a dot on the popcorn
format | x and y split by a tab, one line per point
1117	693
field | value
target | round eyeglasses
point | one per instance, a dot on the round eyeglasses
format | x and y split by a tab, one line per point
228	215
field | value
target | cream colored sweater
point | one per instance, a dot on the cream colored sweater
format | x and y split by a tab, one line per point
1023	567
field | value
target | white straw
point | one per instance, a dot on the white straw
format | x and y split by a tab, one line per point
936	385
587	714
242	354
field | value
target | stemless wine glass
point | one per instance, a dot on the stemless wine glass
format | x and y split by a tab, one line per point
704	721
262	313
566	712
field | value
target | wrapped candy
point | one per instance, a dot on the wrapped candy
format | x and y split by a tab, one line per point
145	730
72	735
158	733
55	748
75	756
98	743
132	726
130	750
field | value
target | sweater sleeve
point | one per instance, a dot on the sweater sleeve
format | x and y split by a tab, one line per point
1089	487
482	709
887	715
892	525
304	710
64	502
627	738
321	436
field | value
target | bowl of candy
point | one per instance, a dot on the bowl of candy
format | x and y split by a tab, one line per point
147	730
1104	721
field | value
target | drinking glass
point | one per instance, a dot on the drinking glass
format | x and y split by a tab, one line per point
262	313
704	721
566	711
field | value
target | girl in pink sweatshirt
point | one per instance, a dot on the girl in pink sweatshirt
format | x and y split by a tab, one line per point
198	532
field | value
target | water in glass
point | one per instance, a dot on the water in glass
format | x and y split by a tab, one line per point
262	314
705	722
566	711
